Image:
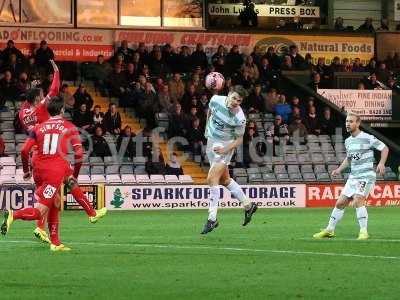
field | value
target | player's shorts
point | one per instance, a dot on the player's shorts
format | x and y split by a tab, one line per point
214	157
48	182
361	187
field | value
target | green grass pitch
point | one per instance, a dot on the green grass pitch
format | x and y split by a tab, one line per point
161	255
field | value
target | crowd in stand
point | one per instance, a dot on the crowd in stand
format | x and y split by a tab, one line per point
171	80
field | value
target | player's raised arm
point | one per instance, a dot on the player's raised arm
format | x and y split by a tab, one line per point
55	84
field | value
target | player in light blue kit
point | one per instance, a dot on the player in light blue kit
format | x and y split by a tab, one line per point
360	157
226	124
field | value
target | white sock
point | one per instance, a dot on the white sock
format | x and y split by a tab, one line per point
362	216
213	204
336	216
237	191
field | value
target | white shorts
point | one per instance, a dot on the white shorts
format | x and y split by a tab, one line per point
360	187
217	158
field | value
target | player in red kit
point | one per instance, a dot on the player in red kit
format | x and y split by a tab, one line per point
50	170
34	111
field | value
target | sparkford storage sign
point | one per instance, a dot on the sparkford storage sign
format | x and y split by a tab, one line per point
196	196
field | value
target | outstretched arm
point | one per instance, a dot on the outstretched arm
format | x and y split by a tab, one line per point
56	83
343	165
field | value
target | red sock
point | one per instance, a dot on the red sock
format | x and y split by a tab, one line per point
40	223
83	201
52	222
27	214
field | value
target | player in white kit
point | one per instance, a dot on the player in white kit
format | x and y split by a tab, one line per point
225	128
360	157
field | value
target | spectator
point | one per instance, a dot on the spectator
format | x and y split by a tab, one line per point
287	64
271	100
23	84
157	65
357	66
196	137
335	67
346	66
8	87
308	62
32	69
250	67
360	86
327	124
234	61
371	67
249	144
273	58
296	103
131	74
177	122
170	57
43	56
367	26
155	164
184	60
283	109
384	25
393	85
199	58
69	100
164	99
339	24
173	166
198	83
296	59
149	105
312	122
125	51
265	71
316	83
98	116
125	140
101	71
255	101
117	82
82	118
137	63
297	128
14	66
322	69
372	83
278	132
100	146
112	120
176	88
81	96
296	113
383	74
257	55
143	53
219	54
11	49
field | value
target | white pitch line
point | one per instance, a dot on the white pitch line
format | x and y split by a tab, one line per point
353	240
233	249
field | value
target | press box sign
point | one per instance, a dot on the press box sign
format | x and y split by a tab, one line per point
16	197
266	10
123	197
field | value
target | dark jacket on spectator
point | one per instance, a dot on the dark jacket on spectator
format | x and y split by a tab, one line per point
327	126
82	119
130	148
43	56
112	122
312	124
81	98
199	58
100	146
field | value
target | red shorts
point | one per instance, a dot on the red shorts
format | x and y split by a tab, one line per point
48	182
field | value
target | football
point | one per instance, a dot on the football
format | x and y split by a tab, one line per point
215	81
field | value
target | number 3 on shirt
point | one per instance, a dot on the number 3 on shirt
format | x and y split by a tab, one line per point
50	143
